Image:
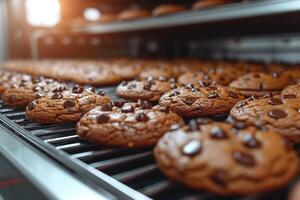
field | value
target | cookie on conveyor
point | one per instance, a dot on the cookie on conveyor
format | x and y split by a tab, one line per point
150	89
216	157
292	89
200	100
8	79
195	77
21	95
261	83
65	106
159	68
278	113
166	9
126	124
208	3
133	13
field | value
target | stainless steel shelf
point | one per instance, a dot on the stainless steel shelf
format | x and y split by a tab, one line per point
237	11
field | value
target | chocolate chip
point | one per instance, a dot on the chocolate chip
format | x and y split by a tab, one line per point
213	88
277	114
147	86
242	104
212	95
192	148
118	104
68	104
102	118
275	74
100	92
288	96
132	86
144	104
188	100
77	90
127	108
59	89
37	88
219	177
204	83
244	158
218	133
106	107
91	89
190	86
57	96
233	95
162	78
31	106
250	141
275	101
39	95
141	117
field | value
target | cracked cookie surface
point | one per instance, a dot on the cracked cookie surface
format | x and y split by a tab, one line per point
204	100
216	157
65	106
278	113
150	89
126	124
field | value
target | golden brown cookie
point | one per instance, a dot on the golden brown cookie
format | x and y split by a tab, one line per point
261	83
292	89
150	89
166	9
200	100
216	157
65	106
278	113
126	124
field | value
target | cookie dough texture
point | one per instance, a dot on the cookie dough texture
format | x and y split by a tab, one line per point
216	157
195	101
129	125
66	106
278	113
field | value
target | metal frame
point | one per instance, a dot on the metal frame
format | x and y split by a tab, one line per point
103	183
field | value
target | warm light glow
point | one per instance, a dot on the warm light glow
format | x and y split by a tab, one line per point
43	12
91	14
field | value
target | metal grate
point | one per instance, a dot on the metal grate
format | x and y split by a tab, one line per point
135	168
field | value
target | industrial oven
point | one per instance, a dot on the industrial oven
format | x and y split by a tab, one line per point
51	161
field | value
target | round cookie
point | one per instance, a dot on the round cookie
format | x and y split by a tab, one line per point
159	68
278	113
22	94
218	158
8	79
194	77
292	89
64	106
200	100
261	83
166	9
131	14
151	89
126	124
208	3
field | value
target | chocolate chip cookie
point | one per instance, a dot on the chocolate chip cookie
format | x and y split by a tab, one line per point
200	100
64	106
261	83
216	157
21	95
278	113
126	124
150	89
292	89
195	77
